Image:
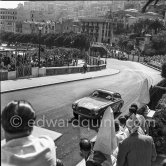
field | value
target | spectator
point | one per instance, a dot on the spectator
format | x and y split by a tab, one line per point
85	67
133	110
2	66
123	128
91	157
119	134
13	62
98	60
164	163
6	61
136	150
21	148
144	110
59	162
106	141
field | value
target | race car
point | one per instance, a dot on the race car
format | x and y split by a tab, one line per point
96	103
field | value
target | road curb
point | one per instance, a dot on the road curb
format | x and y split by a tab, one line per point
62	82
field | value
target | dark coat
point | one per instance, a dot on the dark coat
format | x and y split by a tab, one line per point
136	150
96	158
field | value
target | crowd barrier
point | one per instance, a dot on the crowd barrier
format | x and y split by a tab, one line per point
3	75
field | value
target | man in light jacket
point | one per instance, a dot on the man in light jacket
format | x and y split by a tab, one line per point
21	148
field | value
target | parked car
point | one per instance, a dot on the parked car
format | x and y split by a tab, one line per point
96	103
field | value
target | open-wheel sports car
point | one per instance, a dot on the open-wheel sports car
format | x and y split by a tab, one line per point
95	104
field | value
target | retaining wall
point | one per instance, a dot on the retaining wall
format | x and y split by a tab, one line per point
73	69
48	71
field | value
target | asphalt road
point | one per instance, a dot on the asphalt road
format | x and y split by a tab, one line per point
53	103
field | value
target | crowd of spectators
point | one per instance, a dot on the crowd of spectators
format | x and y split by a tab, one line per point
134	145
10	62
156	58
129	140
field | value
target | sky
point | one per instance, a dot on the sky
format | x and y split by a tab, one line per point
10	4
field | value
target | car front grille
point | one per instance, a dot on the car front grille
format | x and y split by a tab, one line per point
84	111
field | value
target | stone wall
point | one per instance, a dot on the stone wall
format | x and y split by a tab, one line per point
73	69
47	71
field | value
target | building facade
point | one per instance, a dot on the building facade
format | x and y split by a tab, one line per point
37	16
8	18
31	27
100	29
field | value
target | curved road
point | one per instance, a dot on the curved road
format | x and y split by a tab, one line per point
53	103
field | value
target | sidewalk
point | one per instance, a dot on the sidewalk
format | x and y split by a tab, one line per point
20	84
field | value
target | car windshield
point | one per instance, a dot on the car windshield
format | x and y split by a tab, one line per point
103	95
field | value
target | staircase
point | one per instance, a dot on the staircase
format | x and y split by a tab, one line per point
97	44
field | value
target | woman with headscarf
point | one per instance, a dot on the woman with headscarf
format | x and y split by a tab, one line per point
106	141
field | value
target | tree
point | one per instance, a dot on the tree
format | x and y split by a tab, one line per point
159	42
147	4
125	43
82	41
156	25
120	29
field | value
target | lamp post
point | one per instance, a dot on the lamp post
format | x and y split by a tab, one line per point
106	59
40	28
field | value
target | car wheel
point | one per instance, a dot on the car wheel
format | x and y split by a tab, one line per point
75	115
